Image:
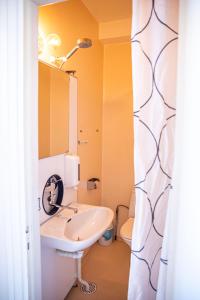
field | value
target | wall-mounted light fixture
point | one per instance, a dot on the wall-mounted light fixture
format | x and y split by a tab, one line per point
47	45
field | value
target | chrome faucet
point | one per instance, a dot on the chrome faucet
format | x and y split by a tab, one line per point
51	189
75	209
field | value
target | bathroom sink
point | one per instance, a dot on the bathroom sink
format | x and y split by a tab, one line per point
72	232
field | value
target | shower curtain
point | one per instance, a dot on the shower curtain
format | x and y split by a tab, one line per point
154	60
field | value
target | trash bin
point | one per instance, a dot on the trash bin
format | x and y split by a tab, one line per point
107	237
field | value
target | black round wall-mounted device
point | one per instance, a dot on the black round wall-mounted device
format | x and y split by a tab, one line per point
52	194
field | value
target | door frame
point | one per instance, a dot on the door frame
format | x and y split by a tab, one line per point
20	264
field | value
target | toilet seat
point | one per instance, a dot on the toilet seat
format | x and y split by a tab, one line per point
126	231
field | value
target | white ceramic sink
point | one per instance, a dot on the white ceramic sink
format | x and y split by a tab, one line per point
74	232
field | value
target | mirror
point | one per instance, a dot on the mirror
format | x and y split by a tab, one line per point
53	111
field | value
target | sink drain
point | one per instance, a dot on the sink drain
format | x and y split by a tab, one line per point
92	288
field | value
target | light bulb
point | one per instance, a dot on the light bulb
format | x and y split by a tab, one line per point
52	59
53	40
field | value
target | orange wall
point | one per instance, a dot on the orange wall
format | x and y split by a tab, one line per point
104	97
115	31
44	111
117	142
71	20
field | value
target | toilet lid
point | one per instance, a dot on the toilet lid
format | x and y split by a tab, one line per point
127	228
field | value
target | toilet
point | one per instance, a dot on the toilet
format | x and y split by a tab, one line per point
127	227
126	231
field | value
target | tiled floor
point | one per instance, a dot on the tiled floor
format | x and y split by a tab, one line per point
108	267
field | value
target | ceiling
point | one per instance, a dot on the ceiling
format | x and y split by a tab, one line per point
109	10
